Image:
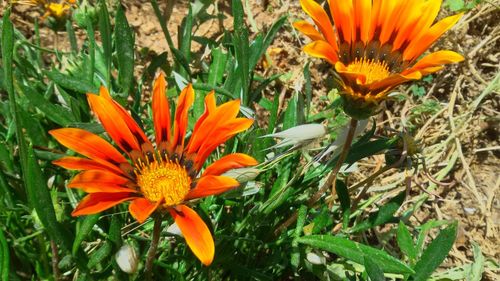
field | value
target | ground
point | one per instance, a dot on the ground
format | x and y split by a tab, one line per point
460	122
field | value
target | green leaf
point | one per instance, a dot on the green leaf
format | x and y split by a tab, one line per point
55	113
76	84
87	223
345	202
105	29
435	253
383	215
356	252
217	67
405	241
477	268
100	255
124	40
4	258
184	39
373	270
290	119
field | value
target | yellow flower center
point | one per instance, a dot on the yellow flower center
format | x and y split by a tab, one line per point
165	180
371	69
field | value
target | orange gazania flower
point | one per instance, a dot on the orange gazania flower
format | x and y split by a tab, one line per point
161	176
375	45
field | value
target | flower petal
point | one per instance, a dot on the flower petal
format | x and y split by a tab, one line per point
215	119
212	185
98	202
220	135
77	163
131	124
88	144
436	59
342	13
228	162
142	208
422	43
196	233
321	19
93	181
308	30
185	102
210	108
113	122
323	50
161	110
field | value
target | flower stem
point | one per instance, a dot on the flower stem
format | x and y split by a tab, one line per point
154	245
331	180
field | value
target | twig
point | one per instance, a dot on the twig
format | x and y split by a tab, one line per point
152	249
55	261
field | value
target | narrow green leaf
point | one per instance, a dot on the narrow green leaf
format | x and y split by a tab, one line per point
124	40
290	118
87	223
77	84
307	89
356	252
4	258
383	215
345	202
71	36
55	113
405	241
100	255
217	67
105	30
269	38
301	219
373	270
435	253
184	39
477	268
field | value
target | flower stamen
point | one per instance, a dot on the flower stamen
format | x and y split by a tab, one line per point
372	70
165	180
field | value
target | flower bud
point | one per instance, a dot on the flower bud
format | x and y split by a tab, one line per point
299	134
243	175
126	258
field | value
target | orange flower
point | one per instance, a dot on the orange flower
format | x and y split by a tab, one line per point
375	45
156	177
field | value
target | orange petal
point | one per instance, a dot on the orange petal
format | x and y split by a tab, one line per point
427	17
161	110
228	162
196	233
419	45
391	10
98	202
113	122
216	117
77	163
210	107
185	102
362	15
88	144
142	208
131	124
308	30
100	176
342	13
212	185
220	135
436	59
321	19
323	50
